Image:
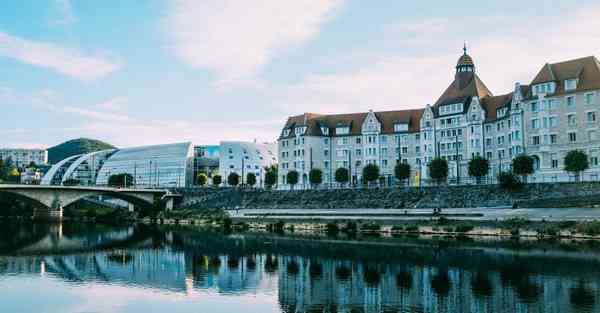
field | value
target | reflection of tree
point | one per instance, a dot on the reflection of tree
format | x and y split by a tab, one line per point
343	273
214	264
271	264
233	263
372	276
120	258
404	280
293	268
518	277
440	283
582	298
315	270
481	285
251	263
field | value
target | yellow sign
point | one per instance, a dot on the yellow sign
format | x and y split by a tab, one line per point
417	178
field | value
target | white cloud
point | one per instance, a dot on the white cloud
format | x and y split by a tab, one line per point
425	66
63	60
237	39
66	16
113	104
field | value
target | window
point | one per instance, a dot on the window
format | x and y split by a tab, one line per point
535	123
594	161
488	128
384	151
534	107
592	135
571	102
553	138
572	119
535	140
326	153
326	141
286	132
488	155
300	130
417	149
589	98
400	127
342	130
488	142
570	84
324	130
591	117
358	152
572	137
554	158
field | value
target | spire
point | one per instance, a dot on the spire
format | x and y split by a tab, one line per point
465	62
465	48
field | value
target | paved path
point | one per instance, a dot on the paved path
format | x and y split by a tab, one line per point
550	214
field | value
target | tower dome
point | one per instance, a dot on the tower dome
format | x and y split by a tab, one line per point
465	62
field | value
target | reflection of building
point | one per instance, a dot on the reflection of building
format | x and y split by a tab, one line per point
168	165
246	157
23	157
557	113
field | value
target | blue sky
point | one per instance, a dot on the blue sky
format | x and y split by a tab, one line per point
158	71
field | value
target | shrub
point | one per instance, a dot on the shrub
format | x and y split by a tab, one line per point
438	170
479	167
341	175
576	162
233	179
371	173
292	178
589	228
217	180
523	165
315	176
332	228
251	179
370	227
464	228
411	228
271	176
508	181
350	227
202	179
402	171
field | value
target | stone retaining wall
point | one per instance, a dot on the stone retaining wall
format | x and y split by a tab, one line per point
531	195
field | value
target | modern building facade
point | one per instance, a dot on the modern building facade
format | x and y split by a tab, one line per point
23	157
206	160
246	157
552	115
168	165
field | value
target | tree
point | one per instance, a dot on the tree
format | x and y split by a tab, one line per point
402	171
315	176
523	165
251	179
122	180
576	161
202	179
479	167
233	179
14	176
370	173
3	170
342	175
508	181
438	170
217	180
271	174
32	165
292	178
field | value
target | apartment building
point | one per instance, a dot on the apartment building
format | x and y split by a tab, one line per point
553	114
23	157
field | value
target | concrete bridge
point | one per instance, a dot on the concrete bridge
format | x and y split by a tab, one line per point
54	198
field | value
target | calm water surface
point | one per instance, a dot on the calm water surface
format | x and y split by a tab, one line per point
82	268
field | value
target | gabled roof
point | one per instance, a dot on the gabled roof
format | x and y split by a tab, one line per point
493	103
314	122
587	70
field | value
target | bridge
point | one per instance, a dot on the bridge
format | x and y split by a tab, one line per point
54	198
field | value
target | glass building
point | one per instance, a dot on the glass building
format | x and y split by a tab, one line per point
168	165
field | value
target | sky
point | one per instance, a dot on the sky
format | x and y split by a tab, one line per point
159	71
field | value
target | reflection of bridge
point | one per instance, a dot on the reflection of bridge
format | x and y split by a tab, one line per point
55	198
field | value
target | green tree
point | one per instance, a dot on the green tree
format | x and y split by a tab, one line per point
522	165
14	176
402	171
251	179
3	170
315	176
438	170
479	167
576	162
233	179
217	180
292	178
342	175
202	179
271	174
123	180
370	173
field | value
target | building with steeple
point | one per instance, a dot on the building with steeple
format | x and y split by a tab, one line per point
553	116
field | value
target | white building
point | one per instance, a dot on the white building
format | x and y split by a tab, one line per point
23	157
246	157
558	113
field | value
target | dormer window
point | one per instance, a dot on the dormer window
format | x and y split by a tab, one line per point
342	130
451	108
545	88
300	130
501	112
286	132
400	127
324	130
570	84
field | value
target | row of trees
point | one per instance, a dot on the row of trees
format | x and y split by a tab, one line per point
234	179
9	172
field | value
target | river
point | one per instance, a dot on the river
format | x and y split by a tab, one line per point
93	268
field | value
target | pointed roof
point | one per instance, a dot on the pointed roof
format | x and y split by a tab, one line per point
472	86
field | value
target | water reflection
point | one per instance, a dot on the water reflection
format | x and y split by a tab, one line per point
301	275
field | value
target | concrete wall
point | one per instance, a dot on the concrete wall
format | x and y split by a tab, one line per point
532	195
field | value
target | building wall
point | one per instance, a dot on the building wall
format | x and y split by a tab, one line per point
23	157
246	157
